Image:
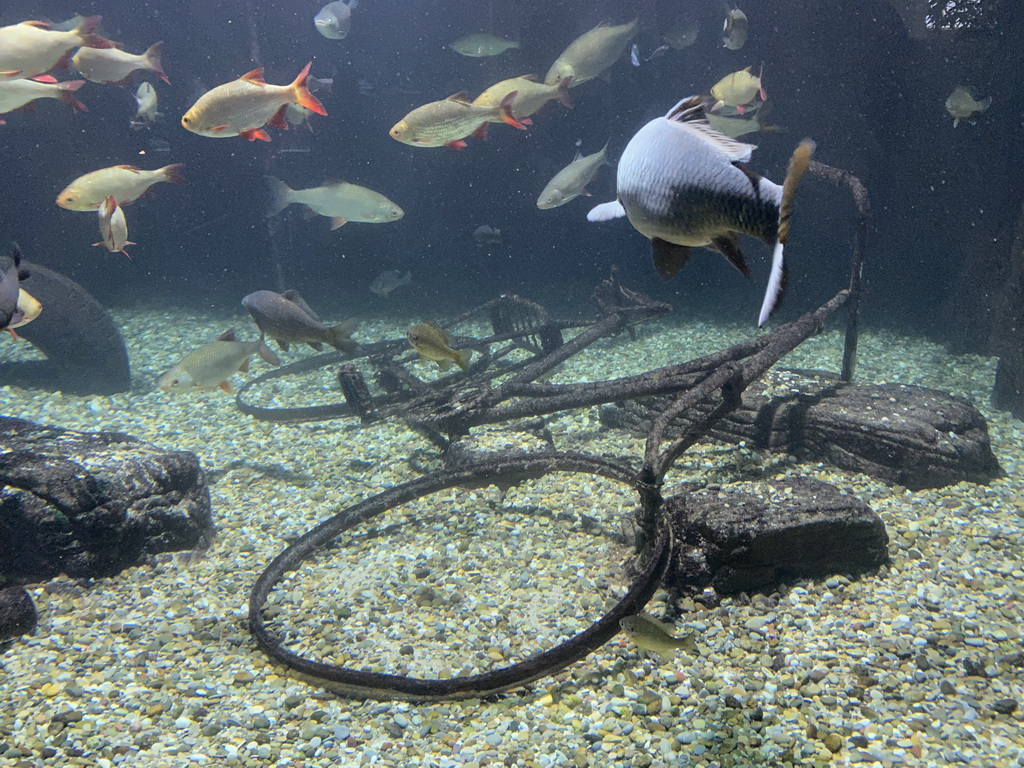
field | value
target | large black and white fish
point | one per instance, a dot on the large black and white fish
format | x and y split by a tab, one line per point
683	185
12	307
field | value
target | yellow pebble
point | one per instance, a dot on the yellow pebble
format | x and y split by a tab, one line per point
51	689
546	700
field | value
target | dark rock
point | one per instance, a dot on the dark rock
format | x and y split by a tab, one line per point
1005	706
735	540
90	504
85	354
904	435
17	613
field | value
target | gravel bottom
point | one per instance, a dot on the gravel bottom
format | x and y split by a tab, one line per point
920	664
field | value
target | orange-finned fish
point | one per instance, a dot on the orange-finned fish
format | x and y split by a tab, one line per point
447	122
19	93
113	227
243	106
32	48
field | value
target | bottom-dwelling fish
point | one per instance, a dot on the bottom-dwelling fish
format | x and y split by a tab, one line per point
288	319
652	635
433	344
113	227
684	184
214	363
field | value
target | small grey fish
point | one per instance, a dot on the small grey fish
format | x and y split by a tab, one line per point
287	319
634	55
386	282
485	234
652	635
571	182
683	184
734	30
335	19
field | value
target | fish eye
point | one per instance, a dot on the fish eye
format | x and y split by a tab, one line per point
185	120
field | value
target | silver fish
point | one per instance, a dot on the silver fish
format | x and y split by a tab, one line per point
634	55
335	19
734	30
683	184
386	282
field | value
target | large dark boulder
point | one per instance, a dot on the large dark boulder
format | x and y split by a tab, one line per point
17	613
85	353
754	536
90	504
902	434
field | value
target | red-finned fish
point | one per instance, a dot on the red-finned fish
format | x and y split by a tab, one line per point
32	48
243	106
530	96
125	182
113	227
591	53
112	65
683	184
17	93
447	122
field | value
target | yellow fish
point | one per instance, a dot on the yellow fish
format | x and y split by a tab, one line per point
529	97
243	106
433	344
125	183
591	53
738	89
28	306
447	122
961	105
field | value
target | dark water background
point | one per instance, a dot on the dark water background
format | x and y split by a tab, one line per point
846	74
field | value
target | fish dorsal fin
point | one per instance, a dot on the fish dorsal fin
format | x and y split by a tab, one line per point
228	335
332	181
37	24
689	113
444	333
531	78
462	97
254	76
292	295
131	168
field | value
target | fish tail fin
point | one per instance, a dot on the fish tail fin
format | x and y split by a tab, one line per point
172	174
984	103
67	94
266	353
154	61
562	92
341	333
462	357
505	111
280	196
86	32
302	95
798	165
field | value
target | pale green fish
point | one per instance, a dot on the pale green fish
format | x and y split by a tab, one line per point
734	126
481	44
571	181
961	105
433	344
340	201
650	634
591	53
682	34
529	97
214	363
738	89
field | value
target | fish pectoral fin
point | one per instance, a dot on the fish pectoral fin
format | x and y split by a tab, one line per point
219	128
459	144
606	211
729	246
255	134
337	221
668	257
